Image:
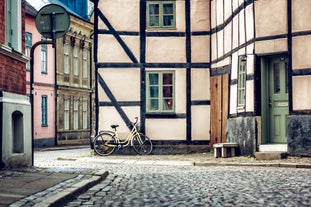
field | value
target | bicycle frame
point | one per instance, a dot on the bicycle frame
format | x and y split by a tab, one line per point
130	136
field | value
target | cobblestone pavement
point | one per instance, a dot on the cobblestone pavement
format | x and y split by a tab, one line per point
180	183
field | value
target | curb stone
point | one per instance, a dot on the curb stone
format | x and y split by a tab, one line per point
284	165
69	193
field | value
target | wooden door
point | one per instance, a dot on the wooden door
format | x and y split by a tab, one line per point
219	108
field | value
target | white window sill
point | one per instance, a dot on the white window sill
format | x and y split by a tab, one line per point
8	51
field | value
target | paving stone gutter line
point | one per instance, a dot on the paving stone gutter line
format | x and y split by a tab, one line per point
73	191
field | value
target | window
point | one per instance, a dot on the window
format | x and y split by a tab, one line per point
160	92
161	14
84	114
66	59
84	63
66	114
44	111
13	27
75	61
43	57
28	40
76	114
242	82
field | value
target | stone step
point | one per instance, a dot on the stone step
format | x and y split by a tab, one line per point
273	148
270	155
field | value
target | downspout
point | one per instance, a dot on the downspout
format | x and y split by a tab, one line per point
91	96
55	96
1	126
95	61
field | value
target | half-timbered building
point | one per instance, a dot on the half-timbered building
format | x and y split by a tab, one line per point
207	71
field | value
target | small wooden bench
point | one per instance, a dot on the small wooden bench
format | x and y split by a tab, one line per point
225	149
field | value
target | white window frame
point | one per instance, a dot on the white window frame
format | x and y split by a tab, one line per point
76	61
241	88
84	114
66	58
66	114
84	65
76	114
13	26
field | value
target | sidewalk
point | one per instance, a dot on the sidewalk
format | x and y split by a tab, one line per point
39	187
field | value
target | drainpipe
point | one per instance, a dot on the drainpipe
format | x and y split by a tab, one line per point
32	50
55	95
91	96
1	122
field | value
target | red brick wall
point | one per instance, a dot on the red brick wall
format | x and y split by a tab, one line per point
12	72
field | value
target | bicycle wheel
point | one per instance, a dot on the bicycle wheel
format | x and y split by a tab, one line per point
104	144
142	144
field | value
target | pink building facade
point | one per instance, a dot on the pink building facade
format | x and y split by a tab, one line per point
44	83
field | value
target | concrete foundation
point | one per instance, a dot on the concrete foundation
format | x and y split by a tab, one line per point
243	130
299	135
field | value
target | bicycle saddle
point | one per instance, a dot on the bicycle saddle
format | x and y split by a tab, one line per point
114	126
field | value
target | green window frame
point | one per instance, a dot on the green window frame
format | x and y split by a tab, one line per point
28	44
161	14
241	82
160	92
44	111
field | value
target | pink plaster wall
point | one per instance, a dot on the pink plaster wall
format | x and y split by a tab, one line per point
44	84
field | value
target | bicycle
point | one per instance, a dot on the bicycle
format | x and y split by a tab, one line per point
106	142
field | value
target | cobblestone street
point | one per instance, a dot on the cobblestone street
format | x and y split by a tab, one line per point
183	184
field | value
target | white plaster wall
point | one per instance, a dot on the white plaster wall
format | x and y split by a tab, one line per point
301	92
180	93
227	9
200	84
301	52
11	103
109	49
233	99
173	129
235	4
220	15
249	95
109	116
242	27
163	49
228	38
213	14
200	122
250	64
268	21
200	20
200	49
128	21
214	46
301	13
235	32
234	70
220	43
123	83
249	22
271	46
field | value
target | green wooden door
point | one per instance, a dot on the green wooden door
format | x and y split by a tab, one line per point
278	100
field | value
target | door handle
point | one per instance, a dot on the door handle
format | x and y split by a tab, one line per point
270	102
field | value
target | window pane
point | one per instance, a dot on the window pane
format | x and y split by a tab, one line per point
276	70
154	21
167	79
154	92
153	105
153	79
167	91
167	104
168	9
168	20
153	9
